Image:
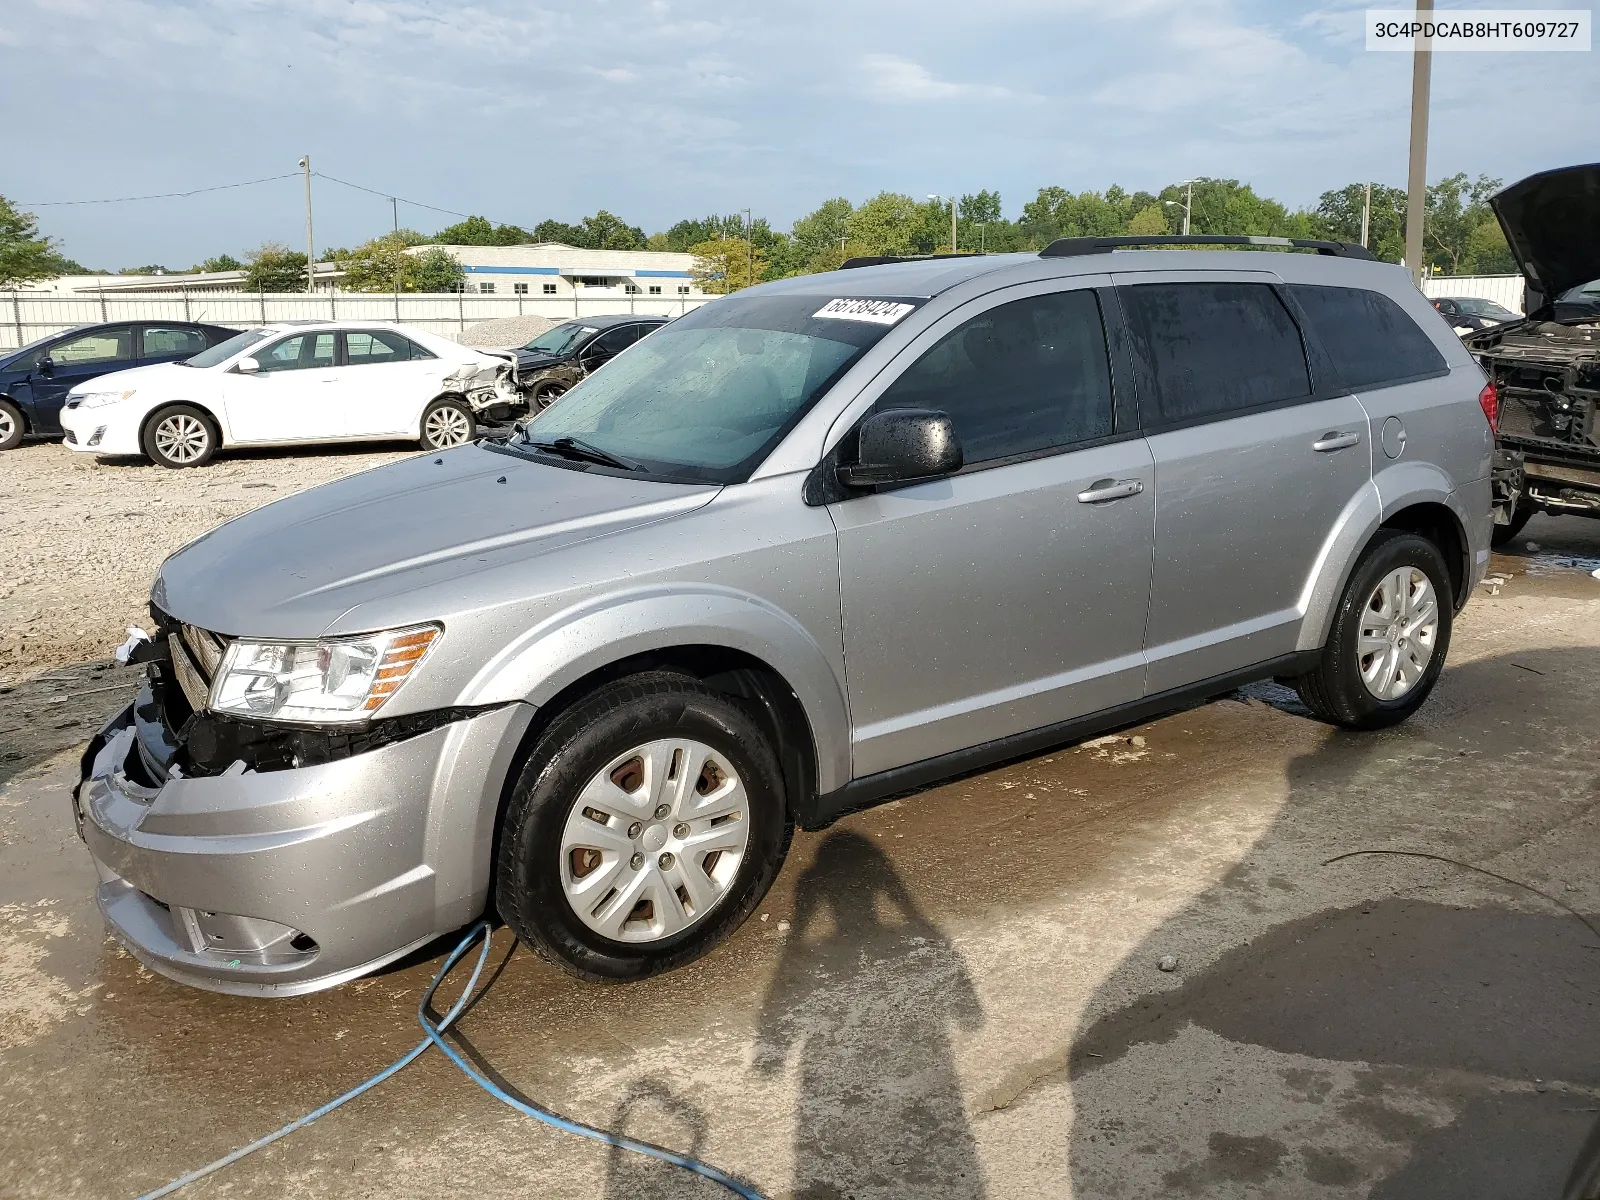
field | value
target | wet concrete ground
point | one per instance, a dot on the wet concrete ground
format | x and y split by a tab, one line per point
956	995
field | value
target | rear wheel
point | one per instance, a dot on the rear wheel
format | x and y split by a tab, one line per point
1389	638
11	425
646	824
179	435
447	422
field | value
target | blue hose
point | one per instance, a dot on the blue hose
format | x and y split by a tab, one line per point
435	1032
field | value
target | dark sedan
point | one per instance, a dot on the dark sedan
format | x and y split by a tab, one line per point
35	380
560	357
1473	312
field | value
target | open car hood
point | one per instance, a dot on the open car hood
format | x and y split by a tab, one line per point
1551	221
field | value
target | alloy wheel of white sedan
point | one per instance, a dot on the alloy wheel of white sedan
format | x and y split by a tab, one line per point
1399	629
446	425
182	438
655	840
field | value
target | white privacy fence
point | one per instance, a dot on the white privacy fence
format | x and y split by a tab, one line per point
25	316
1505	290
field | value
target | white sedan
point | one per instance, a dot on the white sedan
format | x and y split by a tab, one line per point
322	381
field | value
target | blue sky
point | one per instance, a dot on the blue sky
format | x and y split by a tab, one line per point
659	109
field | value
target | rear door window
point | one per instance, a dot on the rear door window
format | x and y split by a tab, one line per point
171	341
1213	349
364	346
1022	377
1371	340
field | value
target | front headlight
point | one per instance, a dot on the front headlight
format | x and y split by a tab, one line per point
97	399
333	680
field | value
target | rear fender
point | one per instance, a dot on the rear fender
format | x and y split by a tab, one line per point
579	641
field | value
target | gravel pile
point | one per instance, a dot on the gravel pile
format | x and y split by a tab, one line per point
82	537
503	333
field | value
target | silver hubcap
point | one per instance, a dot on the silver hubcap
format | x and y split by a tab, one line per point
1399	629
181	438
447	427
7	425
655	840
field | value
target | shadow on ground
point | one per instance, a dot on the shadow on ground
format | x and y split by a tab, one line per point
1463	1038
58	709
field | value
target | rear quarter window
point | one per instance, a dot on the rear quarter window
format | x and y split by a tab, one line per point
1370	338
1212	349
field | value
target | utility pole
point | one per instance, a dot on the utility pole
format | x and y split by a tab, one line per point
952	224
1417	182
1188	204
749	249
311	254
1366	216
399	262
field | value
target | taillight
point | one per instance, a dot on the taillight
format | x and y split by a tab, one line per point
1489	401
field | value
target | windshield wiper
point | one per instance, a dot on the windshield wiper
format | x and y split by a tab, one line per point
571	447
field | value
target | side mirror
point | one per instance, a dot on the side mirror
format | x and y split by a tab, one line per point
247	366
47	365
904	445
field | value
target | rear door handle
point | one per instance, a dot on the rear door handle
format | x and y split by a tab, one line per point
1335	441
1110	489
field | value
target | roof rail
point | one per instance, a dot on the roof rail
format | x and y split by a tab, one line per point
1072	247
878	260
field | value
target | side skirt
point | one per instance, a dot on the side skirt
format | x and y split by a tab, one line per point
869	790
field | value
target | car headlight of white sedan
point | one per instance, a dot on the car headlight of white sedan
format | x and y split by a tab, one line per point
100	399
333	680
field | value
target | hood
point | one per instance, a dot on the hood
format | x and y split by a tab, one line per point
534	360
293	567
1550	221
129	377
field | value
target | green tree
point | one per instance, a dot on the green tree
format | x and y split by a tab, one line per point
25	254
559	231
1487	251
220	262
818	239
889	223
380	265
435	270
1228	206
1150	221
479	231
1339	212
1456	208
604	231
148	269
724	265
275	268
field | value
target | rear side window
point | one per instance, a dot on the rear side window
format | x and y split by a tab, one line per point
1369	337
1025	376
375	346
1215	348
168	341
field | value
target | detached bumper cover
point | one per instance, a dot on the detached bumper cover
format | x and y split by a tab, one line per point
284	882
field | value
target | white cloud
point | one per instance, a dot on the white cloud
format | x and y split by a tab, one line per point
890	77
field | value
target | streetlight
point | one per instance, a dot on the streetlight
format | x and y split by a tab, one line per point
1188	201
935	198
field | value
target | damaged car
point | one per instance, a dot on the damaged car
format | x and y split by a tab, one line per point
1545	368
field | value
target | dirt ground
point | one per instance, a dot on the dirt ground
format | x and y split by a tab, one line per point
960	994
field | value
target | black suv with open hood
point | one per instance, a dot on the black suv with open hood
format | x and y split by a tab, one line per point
1546	367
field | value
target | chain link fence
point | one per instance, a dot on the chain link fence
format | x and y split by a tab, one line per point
28	316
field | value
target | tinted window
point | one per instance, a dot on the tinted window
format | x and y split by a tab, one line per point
101	346
375	346
1215	348
1369	337
1024	376
165	341
302	350
613	341
224	350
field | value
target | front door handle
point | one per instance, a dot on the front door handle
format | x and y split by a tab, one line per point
1335	441
1102	490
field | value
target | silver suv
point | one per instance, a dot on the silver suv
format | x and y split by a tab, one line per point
815	544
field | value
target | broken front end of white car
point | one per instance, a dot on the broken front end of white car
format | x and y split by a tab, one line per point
497	391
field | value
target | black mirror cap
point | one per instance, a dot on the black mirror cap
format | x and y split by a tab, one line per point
904	445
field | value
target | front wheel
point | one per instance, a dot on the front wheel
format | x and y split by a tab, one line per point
179	435
11	425
1389	638
646	824
447	422
547	394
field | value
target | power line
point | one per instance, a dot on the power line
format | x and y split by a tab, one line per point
449	212
221	187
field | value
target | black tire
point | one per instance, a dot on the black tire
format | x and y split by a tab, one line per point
1334	691
12	426
447	422
1503	535
547	394
178	436
579	743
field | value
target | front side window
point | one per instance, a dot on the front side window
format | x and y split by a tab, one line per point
366	346
223	351
163	341
1215	348
1369	337
301	352
1025	376
101	346
705	398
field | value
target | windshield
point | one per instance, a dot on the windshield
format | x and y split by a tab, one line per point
1584	291
223	351
559	340
1485	308
706	397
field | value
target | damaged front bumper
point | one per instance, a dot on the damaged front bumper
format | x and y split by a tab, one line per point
281	882
496	391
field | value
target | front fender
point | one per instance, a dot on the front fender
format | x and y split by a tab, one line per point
578	641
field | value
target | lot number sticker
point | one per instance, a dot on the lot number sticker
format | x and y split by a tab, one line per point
877	312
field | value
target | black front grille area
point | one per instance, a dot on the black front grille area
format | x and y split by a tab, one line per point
71	438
